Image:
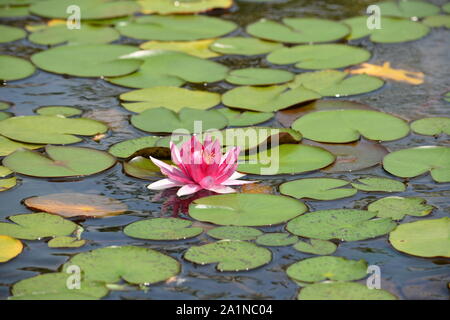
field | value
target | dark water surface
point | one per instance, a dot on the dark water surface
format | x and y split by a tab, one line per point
406	276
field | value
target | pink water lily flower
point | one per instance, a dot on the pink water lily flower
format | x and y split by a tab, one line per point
199	166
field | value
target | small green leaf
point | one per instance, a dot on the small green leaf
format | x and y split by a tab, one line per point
397	208
276	239
317	188
162	229
66	242
234	233
379	185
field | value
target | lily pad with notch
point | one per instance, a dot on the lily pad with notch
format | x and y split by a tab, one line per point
316	246
66	242
317	189
246	118
8	146
431	126
397	208
377	184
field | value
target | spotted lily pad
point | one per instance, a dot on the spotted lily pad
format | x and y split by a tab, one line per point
172	98
162	229
320	56
9	248
379	185
397	208
298	30
258	76
165	120
175	28
343	291
142	168
230	255
246	118
8	146
10	34
407	9
197	48
327	268
431	126
50	129
135	265
317	188
340	126
244	46
34	226
59	162
234	233
316	246
182	6
13	68
276	239
412	162
66	242
343	224
245	209
63	111
423	238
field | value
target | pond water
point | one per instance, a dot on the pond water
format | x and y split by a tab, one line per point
406	276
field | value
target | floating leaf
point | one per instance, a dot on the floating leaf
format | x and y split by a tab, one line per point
317	188
424	238
276	239
10	34
327	268
407	9
59	111
234	233
379	185
142	168
446	7
9	248
135	265
162	229
437	21
320	56
127	148
13	12
316	246
258	76
33	226
13	68
397	208
340	126
66	242
77	204
286	159
343	224
6	184
8	146
183	6
175	28
431	126
4	115
172	98
4	172
343	291
87	60
385	71
413	162
230	255
245	209
197	48
59	162
5	105
244	46
298	30
165	120
246	118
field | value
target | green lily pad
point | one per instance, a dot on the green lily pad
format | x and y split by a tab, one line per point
246	118
397	208
4	172
59	162
175	28
162	229
333	83
286	159
66	242
196	48
320	56
63	111
90	9
437	21
127	148
267	99
87	34
165	120
13	12
53	286
244	46
343	291
50	129
316	246
389	32
431	126
182	6
172	98
407	9
4	115
34	226
169	68
8	146
258	76
13	68
276	239
87	60
298	30
230	255
341	126
379	185
342	224
8	183
327	268
317	188
5	105
234	233
424	238
245	209
142	168
446	7
135	265
413	162
10	34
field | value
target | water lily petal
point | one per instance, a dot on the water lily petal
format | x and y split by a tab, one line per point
188	189
163	184
222	189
